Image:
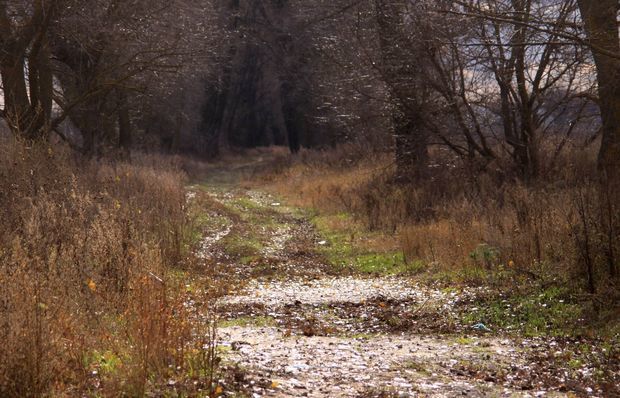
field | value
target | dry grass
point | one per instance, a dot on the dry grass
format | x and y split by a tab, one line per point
560	229
87	254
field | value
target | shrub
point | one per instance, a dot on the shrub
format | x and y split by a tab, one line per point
86	249
561	228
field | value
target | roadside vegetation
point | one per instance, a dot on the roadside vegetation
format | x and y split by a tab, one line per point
94	267
540	249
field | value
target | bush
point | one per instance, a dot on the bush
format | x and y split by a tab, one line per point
85	252
562	228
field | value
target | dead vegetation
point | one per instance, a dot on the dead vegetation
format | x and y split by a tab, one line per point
481	228
273	309
90	253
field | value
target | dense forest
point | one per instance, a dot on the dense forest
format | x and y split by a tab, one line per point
456	143
492	80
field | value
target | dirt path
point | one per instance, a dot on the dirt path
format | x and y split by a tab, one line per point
291	325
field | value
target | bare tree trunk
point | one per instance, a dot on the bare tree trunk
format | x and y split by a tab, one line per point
124	125
526	149
600	18
92	113
411	144
16	100
46	86
399	73
97	129
28	108
28	103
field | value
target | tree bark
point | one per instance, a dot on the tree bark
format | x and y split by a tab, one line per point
28	103
411	144
600	19
407	96
92	110
16	100
124	124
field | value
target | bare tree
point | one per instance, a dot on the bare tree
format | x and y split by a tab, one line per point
87	62
25	65
601	22
410	97
601	37
112	51
532	80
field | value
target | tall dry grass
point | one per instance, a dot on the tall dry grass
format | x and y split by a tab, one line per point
562	228
87	248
